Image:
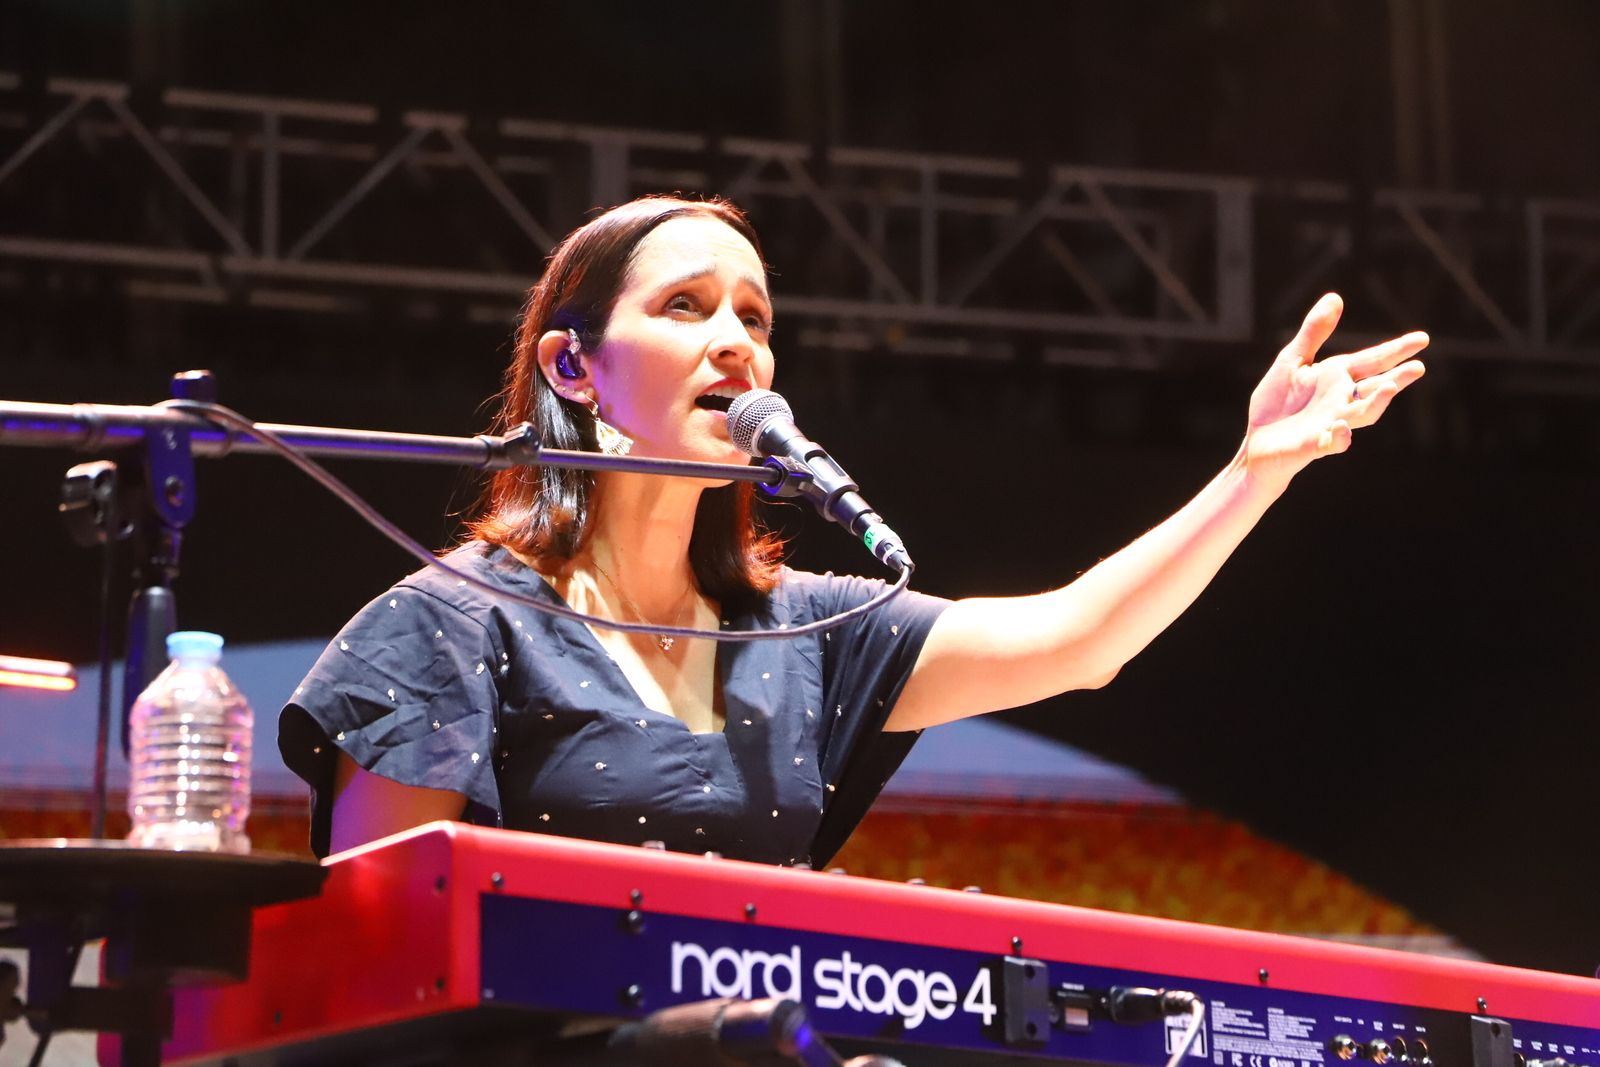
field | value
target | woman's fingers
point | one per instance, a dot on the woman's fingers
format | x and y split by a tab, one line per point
1314	331
1370	408
1335	438
1289	406
1381	357
1372	395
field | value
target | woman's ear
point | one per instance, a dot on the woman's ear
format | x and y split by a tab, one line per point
564	365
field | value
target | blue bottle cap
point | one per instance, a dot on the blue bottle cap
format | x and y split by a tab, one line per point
194	644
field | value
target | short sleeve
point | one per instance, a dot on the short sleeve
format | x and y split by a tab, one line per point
408	690
867	663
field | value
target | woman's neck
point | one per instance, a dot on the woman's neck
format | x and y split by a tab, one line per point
642	527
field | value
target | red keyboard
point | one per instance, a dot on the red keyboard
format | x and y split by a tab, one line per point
449	941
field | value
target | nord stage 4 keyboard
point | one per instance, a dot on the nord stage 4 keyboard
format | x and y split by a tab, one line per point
456	944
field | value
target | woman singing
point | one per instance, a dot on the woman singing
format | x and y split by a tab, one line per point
439	701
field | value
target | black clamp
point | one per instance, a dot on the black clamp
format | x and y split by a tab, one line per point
792	479
92	504
1026	1004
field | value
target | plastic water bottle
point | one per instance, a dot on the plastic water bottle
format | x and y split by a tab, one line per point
189	765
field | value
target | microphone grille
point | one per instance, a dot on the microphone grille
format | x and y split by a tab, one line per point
750	412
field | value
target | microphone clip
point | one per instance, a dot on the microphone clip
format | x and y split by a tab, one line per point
793	479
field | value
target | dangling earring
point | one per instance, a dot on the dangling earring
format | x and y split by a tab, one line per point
612	441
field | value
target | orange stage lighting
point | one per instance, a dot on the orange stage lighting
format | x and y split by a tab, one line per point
37	674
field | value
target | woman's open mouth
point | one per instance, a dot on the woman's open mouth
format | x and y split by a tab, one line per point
722	395
714	402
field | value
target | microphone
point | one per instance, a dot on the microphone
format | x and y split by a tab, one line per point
760	423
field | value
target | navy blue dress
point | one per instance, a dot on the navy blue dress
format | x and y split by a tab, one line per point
437	684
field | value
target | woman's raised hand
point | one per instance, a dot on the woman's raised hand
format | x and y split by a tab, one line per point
1306	408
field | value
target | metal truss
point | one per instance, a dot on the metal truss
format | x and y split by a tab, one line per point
1512	279
311	205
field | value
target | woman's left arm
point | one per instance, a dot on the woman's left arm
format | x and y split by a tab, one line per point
984	654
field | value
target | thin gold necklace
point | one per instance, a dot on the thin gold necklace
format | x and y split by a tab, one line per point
663	641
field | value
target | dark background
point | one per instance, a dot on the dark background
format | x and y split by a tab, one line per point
1396	671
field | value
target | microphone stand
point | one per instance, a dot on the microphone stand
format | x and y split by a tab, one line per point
96	427
170	435
66	892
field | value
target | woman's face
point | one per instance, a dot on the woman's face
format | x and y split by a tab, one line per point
690	330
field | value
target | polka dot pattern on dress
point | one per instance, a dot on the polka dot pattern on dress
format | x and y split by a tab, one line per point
568	678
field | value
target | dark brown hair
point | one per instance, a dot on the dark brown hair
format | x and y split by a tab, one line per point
546	513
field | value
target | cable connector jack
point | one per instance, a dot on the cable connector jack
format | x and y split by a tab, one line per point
1141	1004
